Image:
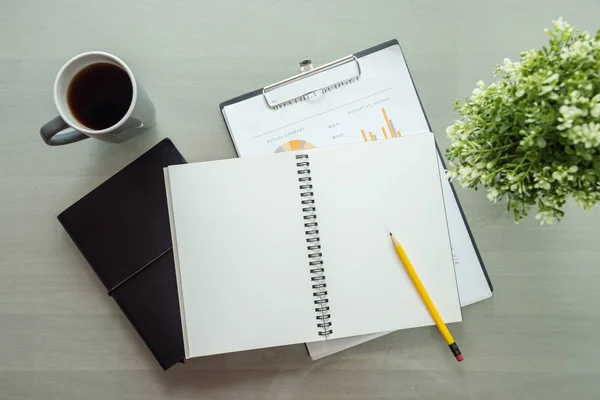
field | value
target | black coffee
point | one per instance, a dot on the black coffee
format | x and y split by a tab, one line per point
100	95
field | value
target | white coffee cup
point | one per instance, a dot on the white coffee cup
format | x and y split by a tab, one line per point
65	128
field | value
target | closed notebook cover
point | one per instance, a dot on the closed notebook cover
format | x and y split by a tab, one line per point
150	302
122	229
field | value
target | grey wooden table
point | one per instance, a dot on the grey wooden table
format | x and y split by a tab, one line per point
61	337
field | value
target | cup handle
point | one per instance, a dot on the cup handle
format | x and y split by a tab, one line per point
55	133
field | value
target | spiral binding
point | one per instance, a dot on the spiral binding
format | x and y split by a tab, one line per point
313	245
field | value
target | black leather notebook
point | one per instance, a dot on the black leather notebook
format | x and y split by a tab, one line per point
122	229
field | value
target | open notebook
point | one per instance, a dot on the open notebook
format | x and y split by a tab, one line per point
294	247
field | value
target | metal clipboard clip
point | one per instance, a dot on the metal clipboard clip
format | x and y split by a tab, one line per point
310	80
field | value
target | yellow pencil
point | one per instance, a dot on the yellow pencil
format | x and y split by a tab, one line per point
427	300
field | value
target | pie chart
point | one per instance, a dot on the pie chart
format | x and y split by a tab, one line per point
294	145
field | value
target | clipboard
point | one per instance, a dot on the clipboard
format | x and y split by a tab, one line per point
307	71
293	91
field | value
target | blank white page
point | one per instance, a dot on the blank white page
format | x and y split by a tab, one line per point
362	193
240	251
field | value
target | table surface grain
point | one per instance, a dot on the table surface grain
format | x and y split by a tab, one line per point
62	337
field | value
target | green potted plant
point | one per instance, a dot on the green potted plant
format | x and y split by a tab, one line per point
532	138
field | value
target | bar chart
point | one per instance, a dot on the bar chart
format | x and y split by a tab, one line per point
388	130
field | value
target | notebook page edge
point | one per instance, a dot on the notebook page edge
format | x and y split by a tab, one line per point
176	261
441	195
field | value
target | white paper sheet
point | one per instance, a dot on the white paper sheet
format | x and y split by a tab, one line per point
394	189
237	234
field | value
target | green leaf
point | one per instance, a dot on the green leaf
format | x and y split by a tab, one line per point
568	150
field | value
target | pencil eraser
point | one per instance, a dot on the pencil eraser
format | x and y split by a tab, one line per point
460	357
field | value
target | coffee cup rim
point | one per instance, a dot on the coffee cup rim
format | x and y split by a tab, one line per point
68	117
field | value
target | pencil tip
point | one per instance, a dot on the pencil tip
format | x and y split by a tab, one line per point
391	234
